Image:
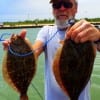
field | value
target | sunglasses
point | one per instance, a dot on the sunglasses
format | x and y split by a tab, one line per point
65	4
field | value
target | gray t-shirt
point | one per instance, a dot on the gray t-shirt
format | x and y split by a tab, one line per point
51	37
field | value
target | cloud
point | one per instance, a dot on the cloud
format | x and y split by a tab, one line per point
24	9
89	9
32	9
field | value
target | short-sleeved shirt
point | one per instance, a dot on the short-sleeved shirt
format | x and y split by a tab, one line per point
51	37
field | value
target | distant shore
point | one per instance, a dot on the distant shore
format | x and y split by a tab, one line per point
24	26
34	26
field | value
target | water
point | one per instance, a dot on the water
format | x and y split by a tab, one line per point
7	93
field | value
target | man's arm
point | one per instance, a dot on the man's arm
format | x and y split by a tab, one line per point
38	48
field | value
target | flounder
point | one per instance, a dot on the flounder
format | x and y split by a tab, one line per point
72	67
19	71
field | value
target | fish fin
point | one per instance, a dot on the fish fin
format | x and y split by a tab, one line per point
23	97
6	74
61	42
56	68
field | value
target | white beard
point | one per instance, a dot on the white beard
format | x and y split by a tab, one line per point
61	24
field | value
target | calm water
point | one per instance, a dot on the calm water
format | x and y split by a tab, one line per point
6	92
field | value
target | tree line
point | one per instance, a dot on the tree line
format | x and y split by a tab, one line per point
43	21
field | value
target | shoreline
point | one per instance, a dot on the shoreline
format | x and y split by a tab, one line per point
35	26
24	26
14	27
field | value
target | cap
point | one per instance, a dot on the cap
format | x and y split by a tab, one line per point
55	1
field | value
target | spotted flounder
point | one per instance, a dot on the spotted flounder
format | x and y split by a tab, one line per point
72	67
19	71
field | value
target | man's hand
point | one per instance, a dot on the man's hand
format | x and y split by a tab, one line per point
7	41
83	31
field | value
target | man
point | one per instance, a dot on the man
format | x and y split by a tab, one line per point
49	38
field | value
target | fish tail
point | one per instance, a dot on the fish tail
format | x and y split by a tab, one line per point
74	98
23	97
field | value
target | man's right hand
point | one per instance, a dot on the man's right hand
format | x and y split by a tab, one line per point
7	41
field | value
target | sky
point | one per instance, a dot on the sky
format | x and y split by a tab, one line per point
20	10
